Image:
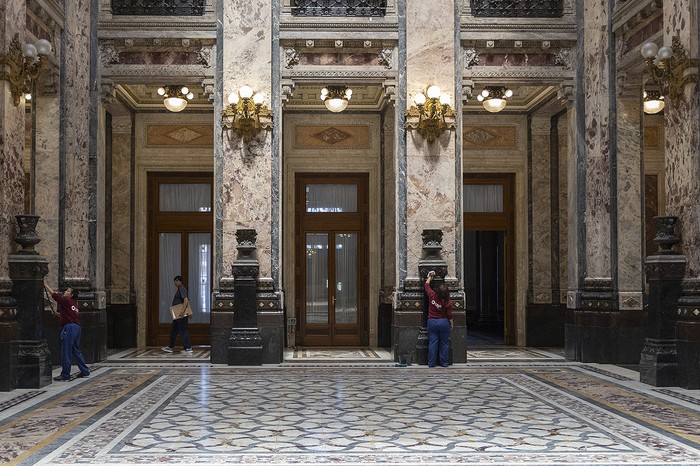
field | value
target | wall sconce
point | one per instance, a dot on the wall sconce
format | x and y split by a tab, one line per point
494	99
21	65
246	114
336	98
653	102
667	66
432	115
175	97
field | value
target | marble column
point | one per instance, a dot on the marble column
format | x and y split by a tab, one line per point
433	174
630	193
682	153
598	329
249	193
12	16
81	172
541	237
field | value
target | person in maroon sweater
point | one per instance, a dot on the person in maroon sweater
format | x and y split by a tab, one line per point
70	333
440	322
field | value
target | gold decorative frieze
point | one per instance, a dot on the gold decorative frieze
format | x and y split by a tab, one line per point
489	137
335	137
180	135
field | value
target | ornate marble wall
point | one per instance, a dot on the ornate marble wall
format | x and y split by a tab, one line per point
12	13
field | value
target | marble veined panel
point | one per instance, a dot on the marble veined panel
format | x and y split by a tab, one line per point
75	132
246	49
682	126
246	197
597	138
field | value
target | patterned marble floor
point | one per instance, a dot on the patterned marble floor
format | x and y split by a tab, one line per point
174	410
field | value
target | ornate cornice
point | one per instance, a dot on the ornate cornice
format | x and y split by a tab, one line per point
151	25
322	73
374	25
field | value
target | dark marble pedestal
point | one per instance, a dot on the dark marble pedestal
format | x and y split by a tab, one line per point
8	372
658	365
33	364
245	347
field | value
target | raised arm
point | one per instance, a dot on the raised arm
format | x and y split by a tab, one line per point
48	288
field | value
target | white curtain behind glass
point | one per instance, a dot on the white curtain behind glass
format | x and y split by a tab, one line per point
483	198
199	286
168	269
346	278
185	197
331	198
316	278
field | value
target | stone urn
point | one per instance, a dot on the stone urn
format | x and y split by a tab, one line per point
27	237
665	237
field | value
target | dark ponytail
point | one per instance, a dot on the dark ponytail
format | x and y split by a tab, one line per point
443	292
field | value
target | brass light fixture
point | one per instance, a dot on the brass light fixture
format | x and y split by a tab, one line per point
667	66
21	65
431	115
246	114
175	97
336	98
494	98
653	102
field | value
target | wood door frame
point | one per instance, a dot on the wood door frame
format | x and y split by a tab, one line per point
503	221
351	222
157	334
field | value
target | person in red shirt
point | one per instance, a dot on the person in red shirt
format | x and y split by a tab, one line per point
440	322
70	333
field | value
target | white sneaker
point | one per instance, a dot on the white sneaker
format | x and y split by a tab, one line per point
188	350
167	349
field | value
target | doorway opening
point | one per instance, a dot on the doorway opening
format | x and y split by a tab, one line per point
179	243
489	276
331	257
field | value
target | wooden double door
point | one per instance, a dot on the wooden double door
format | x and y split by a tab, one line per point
180	226
331	266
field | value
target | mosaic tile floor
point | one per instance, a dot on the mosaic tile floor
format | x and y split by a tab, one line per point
186	411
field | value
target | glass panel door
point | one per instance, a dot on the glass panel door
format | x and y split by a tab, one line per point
331	251
196	279
317	278
345	301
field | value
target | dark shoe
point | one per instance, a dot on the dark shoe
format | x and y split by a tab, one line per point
60	379
81	375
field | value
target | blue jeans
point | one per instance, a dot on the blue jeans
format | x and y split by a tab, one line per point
70	347
180	326
438	338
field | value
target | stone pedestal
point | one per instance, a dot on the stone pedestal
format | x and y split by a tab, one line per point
658	363
688	334
9	346
27	271
245	342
